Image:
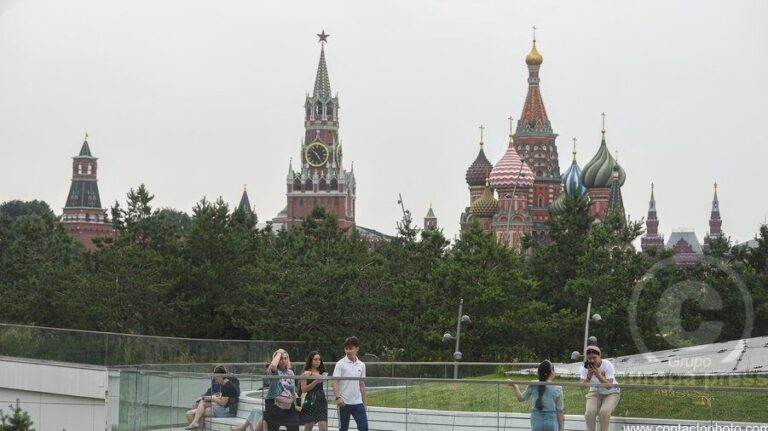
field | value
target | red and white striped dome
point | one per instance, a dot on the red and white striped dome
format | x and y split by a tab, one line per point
511	170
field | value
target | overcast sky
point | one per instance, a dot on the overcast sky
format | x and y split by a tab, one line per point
196	98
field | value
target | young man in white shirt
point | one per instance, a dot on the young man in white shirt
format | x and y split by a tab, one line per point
351	397
601	400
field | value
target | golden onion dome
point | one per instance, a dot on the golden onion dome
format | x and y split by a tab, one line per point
486	205
534	58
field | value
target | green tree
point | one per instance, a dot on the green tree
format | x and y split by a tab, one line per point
17	208
18	420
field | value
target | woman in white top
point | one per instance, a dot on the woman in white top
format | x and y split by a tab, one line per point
601	399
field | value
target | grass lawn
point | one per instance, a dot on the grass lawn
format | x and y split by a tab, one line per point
679	403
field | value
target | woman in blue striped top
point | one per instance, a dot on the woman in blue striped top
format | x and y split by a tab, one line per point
547	401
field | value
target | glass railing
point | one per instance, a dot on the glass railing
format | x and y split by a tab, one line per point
112	349
160	399
421	370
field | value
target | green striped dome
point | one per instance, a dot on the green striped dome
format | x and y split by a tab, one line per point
597	173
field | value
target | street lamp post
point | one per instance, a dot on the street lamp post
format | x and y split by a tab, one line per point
587	339
510	203
447	337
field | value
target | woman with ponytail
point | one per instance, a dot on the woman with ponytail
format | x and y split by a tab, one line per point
547	400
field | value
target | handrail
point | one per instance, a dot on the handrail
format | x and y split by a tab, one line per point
158	337
475	382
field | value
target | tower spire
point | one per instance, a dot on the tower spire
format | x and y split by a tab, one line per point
85	149
322	81
615	200
652	239
715	222
245	203
534	120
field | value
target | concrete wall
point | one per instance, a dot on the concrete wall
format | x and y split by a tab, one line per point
57	396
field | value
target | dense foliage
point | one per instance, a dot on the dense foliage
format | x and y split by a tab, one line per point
213	274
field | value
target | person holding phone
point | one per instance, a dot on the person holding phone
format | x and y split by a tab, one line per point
601	400
217	405
547	400
212	389
314	408
351	396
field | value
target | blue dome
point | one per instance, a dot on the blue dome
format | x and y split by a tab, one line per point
572	181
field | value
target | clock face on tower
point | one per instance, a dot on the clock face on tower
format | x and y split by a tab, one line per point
316	154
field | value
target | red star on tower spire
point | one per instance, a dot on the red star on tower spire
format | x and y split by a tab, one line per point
323	37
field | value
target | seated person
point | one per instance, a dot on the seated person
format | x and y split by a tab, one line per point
212	389
222	404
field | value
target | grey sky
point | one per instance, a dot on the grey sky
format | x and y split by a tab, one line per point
196	98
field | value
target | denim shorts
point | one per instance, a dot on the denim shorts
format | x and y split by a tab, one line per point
219	411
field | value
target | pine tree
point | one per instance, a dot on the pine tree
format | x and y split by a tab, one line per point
18	421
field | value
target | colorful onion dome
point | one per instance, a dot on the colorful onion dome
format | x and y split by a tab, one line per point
597	173
558	205
486	205
534	58
511	171
573	186
479	170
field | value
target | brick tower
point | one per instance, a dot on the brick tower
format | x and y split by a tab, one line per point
652	239
715	222
535	143
430	220
83	217
322	180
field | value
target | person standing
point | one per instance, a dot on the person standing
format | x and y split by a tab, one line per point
314	408
280	407
351	397
601	400
547	400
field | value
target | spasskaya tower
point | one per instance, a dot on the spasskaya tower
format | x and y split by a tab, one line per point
321	180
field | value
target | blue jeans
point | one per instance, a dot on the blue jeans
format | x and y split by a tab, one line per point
218	411
543	421
357	411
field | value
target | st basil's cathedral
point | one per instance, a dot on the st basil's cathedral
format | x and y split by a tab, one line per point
516	196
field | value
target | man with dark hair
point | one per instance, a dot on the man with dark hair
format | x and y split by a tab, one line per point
351	397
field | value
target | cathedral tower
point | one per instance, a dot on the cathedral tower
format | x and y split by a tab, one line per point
321	180
535	143
514	181
83	217
476	177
